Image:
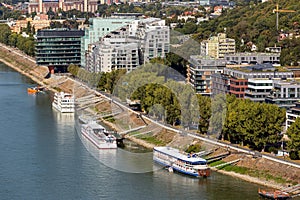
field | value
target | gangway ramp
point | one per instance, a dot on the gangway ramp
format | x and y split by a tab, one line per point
217	157
152	128
227	163
131	130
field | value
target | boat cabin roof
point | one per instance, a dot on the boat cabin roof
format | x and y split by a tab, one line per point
176	154
64	95
94	125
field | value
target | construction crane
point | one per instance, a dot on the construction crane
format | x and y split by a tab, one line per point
278	11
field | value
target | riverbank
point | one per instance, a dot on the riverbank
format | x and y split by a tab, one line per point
38	74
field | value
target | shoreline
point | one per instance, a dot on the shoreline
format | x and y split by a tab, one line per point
138	141
251	179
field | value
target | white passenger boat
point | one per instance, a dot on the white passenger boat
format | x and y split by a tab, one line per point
176	161
98	135
64	102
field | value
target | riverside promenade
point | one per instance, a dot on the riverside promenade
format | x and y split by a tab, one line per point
26	66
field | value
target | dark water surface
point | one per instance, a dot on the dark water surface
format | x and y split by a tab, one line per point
42	157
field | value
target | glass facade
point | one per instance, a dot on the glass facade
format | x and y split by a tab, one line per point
58	48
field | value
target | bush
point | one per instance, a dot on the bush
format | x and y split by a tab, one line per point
193	148
272	149
294	155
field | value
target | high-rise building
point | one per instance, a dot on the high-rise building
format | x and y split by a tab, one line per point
58	48
254	82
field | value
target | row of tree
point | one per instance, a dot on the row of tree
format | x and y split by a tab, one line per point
105	81
159	101
256	125
25	44
239	121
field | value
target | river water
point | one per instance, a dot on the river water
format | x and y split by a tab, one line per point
43	157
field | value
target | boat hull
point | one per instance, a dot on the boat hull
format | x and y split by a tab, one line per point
63	110
64	102
176	169
196	174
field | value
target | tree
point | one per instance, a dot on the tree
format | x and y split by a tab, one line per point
50	13
204	112
156	98
33	30
73	69
29	47
4	33
13	38
293	133
253	124
28	28
218	114
113	78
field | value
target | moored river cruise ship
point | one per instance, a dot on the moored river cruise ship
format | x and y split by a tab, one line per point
98	135
186	164
64	102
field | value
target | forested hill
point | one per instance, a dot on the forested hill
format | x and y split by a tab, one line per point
254	23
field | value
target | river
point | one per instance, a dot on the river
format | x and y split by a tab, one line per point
43	157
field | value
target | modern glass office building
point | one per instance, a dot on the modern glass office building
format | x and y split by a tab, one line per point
58	48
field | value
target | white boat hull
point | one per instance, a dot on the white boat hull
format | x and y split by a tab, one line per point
63	110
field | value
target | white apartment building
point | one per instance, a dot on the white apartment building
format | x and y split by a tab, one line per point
258	89
284	93
129	46
113	53
153	36
292	114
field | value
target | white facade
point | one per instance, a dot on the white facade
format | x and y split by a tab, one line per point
258	89
113	53
98	28
129	46
154	37
292	114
